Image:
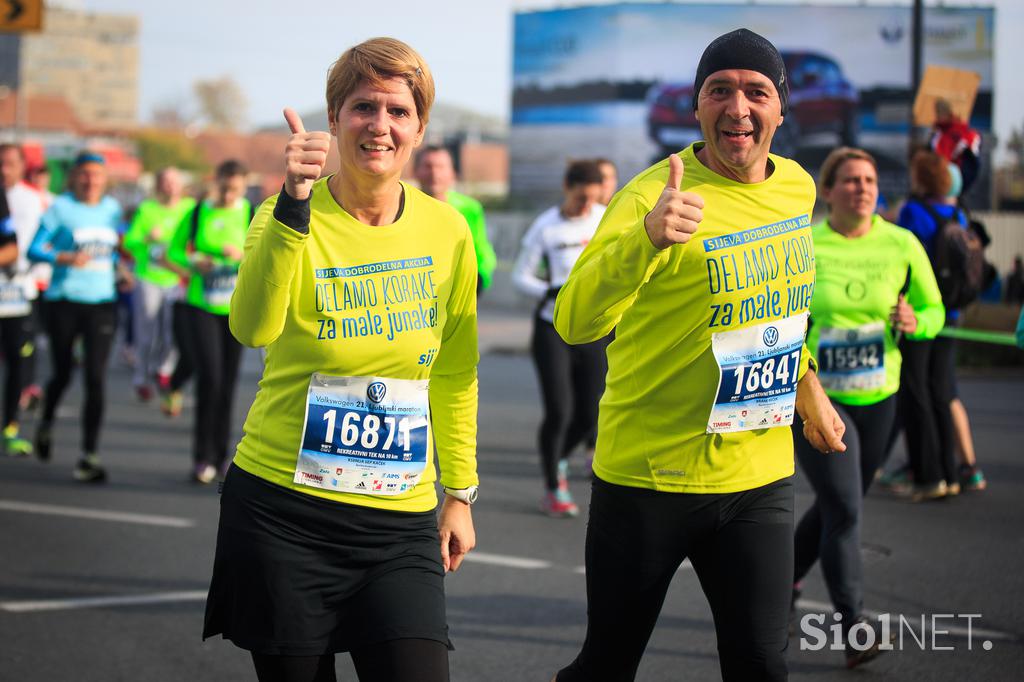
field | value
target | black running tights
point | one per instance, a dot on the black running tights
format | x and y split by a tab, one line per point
95	324
400	660
571	382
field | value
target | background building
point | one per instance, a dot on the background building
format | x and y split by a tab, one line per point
89	59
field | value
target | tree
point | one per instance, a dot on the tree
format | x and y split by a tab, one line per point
159	147
221	102
1016	146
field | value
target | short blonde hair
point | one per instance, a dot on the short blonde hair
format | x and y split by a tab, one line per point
373	62
836	158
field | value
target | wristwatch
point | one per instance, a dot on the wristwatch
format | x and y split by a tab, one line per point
467	495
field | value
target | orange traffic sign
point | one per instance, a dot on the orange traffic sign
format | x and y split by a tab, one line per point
18	16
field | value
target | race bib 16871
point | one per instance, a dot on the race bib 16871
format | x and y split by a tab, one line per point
365	435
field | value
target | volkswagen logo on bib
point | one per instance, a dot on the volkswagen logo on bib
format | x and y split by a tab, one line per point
376	391
771	336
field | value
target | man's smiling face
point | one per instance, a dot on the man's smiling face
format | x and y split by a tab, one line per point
739	111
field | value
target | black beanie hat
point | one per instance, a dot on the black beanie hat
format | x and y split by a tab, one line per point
743	49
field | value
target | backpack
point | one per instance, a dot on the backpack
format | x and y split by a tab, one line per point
958	258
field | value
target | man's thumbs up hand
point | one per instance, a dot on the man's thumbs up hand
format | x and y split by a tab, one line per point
676	215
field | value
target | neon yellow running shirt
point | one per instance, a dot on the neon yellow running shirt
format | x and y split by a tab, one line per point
218	226
858	283
348	299
150	235
750	265
473	212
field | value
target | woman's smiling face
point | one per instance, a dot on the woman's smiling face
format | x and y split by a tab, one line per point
377	129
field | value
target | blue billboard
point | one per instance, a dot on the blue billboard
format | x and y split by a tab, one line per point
616	80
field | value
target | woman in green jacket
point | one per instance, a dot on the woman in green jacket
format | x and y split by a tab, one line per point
874	283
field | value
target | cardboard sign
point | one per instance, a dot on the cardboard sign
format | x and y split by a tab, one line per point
956	86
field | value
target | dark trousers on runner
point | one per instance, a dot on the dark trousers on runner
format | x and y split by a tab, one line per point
927	384
184	339
397	660
95	324
830	528
571	383
217	356
741	547
15	333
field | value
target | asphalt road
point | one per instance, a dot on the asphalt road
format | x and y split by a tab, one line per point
107	582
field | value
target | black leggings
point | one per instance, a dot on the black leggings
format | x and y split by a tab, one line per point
95	323
571	383
15	337
185	341
399	660
217	356
741	547
830	528
927	387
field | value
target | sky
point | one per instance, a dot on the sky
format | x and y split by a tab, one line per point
279	52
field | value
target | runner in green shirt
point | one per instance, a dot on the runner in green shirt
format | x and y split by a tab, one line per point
436	174
208	245
156	286
874	283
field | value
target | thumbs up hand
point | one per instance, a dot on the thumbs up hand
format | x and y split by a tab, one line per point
304	157
676	215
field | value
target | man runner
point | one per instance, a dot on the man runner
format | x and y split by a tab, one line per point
706	370
436	174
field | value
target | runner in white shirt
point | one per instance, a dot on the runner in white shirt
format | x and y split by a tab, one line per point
18	292
571	377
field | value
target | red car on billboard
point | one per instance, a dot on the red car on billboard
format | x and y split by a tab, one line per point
821	99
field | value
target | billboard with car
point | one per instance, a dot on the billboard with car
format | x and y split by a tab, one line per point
616	80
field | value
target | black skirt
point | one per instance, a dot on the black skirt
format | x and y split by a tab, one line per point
298	575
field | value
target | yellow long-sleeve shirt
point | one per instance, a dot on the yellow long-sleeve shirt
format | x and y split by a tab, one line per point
348	299
749	266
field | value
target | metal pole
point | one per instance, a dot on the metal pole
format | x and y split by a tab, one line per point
916	57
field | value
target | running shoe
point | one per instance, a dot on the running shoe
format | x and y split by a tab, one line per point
933	491
44	441
559	504
855	656
163	382
204	473
144	392
89	470
563	475
14	445
899	481
30	398
972	478
172	403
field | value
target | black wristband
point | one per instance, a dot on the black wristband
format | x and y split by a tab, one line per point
292	212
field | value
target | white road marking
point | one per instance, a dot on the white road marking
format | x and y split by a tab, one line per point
685	566
913	622
509	561
96	514
100	602
475	557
